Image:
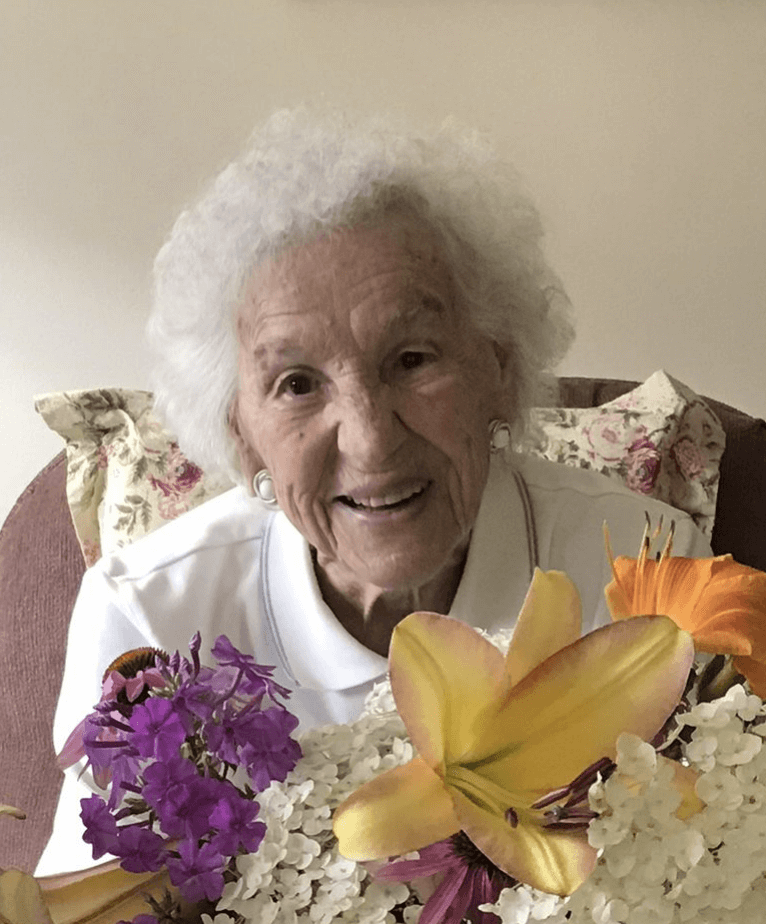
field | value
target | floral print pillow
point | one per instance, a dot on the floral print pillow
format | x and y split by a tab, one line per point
660	439
125	474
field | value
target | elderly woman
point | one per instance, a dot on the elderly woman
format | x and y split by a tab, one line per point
352	322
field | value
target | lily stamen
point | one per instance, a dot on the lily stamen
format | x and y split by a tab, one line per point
578	788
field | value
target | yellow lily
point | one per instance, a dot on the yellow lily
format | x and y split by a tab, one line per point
101	895
720	602
496	735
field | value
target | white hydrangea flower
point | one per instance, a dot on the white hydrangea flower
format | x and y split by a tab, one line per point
621	859
387	894
701	751
636	758
513	906
716	714
412	914
735	747
622	793
746	704
609	911
606	830
721	788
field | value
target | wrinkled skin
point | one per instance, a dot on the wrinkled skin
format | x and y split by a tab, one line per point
367	394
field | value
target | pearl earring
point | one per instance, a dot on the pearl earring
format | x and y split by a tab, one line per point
263	487
499	435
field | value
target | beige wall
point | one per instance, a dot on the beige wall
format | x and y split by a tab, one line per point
639	126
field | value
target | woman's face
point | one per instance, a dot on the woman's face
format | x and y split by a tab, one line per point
367	394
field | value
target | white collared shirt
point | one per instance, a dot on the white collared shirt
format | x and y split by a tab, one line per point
231	567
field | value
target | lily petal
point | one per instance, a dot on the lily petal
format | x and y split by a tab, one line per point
550	619
552	860
21	901
755	671
101	895
443	675
402	810
722	604
685	782
569	711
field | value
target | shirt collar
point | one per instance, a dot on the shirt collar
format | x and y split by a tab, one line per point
318	652
321	655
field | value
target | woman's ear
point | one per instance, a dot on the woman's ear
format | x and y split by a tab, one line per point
249	462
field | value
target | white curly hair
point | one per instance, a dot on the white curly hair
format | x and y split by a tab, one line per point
305	173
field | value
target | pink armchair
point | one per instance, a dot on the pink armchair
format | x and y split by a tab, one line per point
41	567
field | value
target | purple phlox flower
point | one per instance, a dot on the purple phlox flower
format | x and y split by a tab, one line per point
158	728
142	919
181	798
197	872
192	819
100	826
103	728
232	729
173	667
140	849
75	749
197	696
256	678
125	768
180	668
269	752
111	757
233	818
468	880
108	705
168	783
194	647
109	750
225	737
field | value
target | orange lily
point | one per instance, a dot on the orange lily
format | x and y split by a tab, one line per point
496	735
721	603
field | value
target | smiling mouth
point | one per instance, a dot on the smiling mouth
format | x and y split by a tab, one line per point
394	500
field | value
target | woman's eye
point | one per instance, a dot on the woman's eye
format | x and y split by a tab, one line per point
412	359
297	384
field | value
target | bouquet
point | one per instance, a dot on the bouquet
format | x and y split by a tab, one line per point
532	776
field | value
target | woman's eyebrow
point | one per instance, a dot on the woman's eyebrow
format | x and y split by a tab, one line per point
418	304
277	348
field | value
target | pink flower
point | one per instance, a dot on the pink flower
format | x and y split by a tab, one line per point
643	466
608	435
182	477
468	880
114	683
171	506
688	457
102	456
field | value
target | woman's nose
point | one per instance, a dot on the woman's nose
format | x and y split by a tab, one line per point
369	428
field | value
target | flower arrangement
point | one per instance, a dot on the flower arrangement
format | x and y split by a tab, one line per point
532	776
168	737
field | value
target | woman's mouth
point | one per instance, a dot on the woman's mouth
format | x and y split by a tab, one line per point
394	499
